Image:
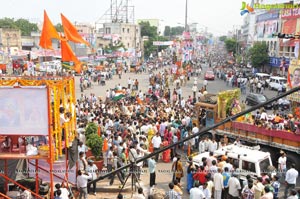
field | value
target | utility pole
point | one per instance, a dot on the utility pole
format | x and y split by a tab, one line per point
186	14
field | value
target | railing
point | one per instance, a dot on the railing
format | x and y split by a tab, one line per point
3	195
268	132
16	183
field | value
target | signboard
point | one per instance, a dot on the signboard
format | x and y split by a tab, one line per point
24	111
268	16
290	13
289	26
277	61
163	43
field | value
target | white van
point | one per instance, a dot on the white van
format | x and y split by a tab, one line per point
277	83
247	160
263	76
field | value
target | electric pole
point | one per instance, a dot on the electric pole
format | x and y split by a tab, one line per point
186	11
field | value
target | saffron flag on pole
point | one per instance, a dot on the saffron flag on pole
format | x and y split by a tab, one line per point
48	33
68	55
71	32
119	94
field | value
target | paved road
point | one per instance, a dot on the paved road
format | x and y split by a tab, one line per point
163	175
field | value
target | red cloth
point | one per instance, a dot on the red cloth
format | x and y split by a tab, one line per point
200	176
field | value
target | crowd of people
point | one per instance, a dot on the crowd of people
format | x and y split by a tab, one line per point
219	179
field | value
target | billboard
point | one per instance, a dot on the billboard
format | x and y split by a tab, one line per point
294	79
24	111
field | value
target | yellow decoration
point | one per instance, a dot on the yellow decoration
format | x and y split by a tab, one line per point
60	88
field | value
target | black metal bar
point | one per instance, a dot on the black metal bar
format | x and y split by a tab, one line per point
206	129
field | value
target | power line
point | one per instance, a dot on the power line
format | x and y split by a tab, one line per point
206	129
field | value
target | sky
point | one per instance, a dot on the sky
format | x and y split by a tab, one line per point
219	16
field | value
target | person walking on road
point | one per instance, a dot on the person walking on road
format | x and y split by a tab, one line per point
152	167
290	179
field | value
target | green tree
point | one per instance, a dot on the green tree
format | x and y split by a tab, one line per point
231	45
223	38
21	24
59	27
167	31
259	54
26	27
178	30
147	30
7	23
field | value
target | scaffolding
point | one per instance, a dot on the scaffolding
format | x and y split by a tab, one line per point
60	93
120	11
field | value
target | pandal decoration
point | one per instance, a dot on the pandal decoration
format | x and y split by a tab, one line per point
62	89
225	100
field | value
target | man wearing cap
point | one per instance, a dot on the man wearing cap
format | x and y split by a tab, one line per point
92	170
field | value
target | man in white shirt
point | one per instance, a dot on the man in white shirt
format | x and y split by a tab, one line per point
82	180
196	193
282	163
64	191
156	141
212	146
205	83
218	182
234	186
92	170
205	190
290	179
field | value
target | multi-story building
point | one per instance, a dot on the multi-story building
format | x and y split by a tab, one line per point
266	25
10	43
128	34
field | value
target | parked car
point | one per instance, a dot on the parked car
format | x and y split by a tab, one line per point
253	99
277	83
209	75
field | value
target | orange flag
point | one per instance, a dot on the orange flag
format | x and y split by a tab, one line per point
48	32
71	32
68	55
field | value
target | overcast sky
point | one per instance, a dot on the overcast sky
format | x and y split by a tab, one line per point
219	16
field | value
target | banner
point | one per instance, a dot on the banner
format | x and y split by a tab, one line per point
270	28
163	43
294	79
289	26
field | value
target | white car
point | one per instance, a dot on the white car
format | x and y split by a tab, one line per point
277	83
247	160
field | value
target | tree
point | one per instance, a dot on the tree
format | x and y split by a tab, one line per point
231	45
59	27
178	30
21	24
223	38
259	54
26	27
167	31
147	30
7	23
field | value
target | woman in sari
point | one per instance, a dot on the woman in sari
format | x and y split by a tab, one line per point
190	172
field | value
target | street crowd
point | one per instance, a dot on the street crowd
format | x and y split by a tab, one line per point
141	122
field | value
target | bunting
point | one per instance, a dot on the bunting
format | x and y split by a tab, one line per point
48	33
71	33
